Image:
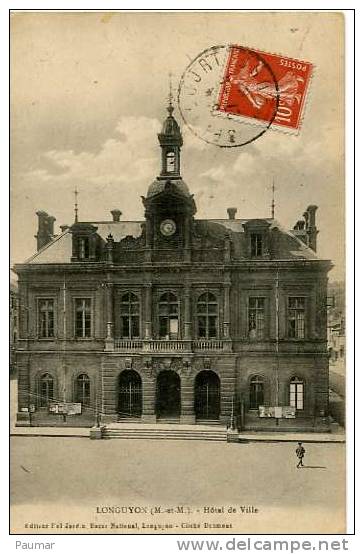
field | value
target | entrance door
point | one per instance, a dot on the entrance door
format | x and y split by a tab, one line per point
130	394
207	395
168	394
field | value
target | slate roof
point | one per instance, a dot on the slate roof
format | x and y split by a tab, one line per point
59	250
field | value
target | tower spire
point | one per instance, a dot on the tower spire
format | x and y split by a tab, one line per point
76	204
273	203
170	107
170	140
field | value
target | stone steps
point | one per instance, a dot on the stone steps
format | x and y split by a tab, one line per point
168	420
113	432
279	429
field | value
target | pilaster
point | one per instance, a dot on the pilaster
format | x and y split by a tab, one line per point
187	397
148	311
227	286
149	394
187	312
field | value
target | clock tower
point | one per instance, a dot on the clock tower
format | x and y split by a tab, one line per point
169	206
170	140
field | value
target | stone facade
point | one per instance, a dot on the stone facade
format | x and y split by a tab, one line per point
175	318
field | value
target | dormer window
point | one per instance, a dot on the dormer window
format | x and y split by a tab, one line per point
256	245
83	248
85	242
171	161
257	238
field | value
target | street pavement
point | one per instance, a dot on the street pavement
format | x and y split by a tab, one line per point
57	479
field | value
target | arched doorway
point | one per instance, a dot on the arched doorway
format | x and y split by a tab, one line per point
168	394
130	394
207	395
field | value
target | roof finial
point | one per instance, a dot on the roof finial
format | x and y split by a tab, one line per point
76	204
273	203
170	95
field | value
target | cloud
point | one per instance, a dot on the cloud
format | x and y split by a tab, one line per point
116	174
127	157
305	171
119	172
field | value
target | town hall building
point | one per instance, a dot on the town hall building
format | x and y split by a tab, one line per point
175	318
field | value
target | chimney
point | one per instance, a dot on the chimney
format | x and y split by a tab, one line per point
305	215
64	228
232	212
45	229
311	228
311	210
116	215
51	221
300	225
299	230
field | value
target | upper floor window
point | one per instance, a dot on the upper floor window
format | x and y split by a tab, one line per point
46	318
83	248
168	314
207	308
256	317
130	315
296	317
83	317
256	244
83	389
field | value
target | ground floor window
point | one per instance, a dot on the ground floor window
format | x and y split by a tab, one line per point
83	389
256	392
46	390
296	392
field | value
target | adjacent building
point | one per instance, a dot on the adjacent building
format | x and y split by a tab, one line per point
13	327
175	318
336	327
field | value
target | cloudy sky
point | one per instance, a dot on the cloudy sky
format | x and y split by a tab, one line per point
88	98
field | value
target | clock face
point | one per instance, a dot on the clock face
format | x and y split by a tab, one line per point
168	227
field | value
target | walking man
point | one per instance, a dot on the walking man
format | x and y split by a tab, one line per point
300	452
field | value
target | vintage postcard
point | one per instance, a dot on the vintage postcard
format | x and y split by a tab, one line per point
177	273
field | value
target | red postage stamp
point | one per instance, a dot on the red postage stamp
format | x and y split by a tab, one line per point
264	88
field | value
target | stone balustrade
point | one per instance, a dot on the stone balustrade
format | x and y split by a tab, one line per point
163	345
